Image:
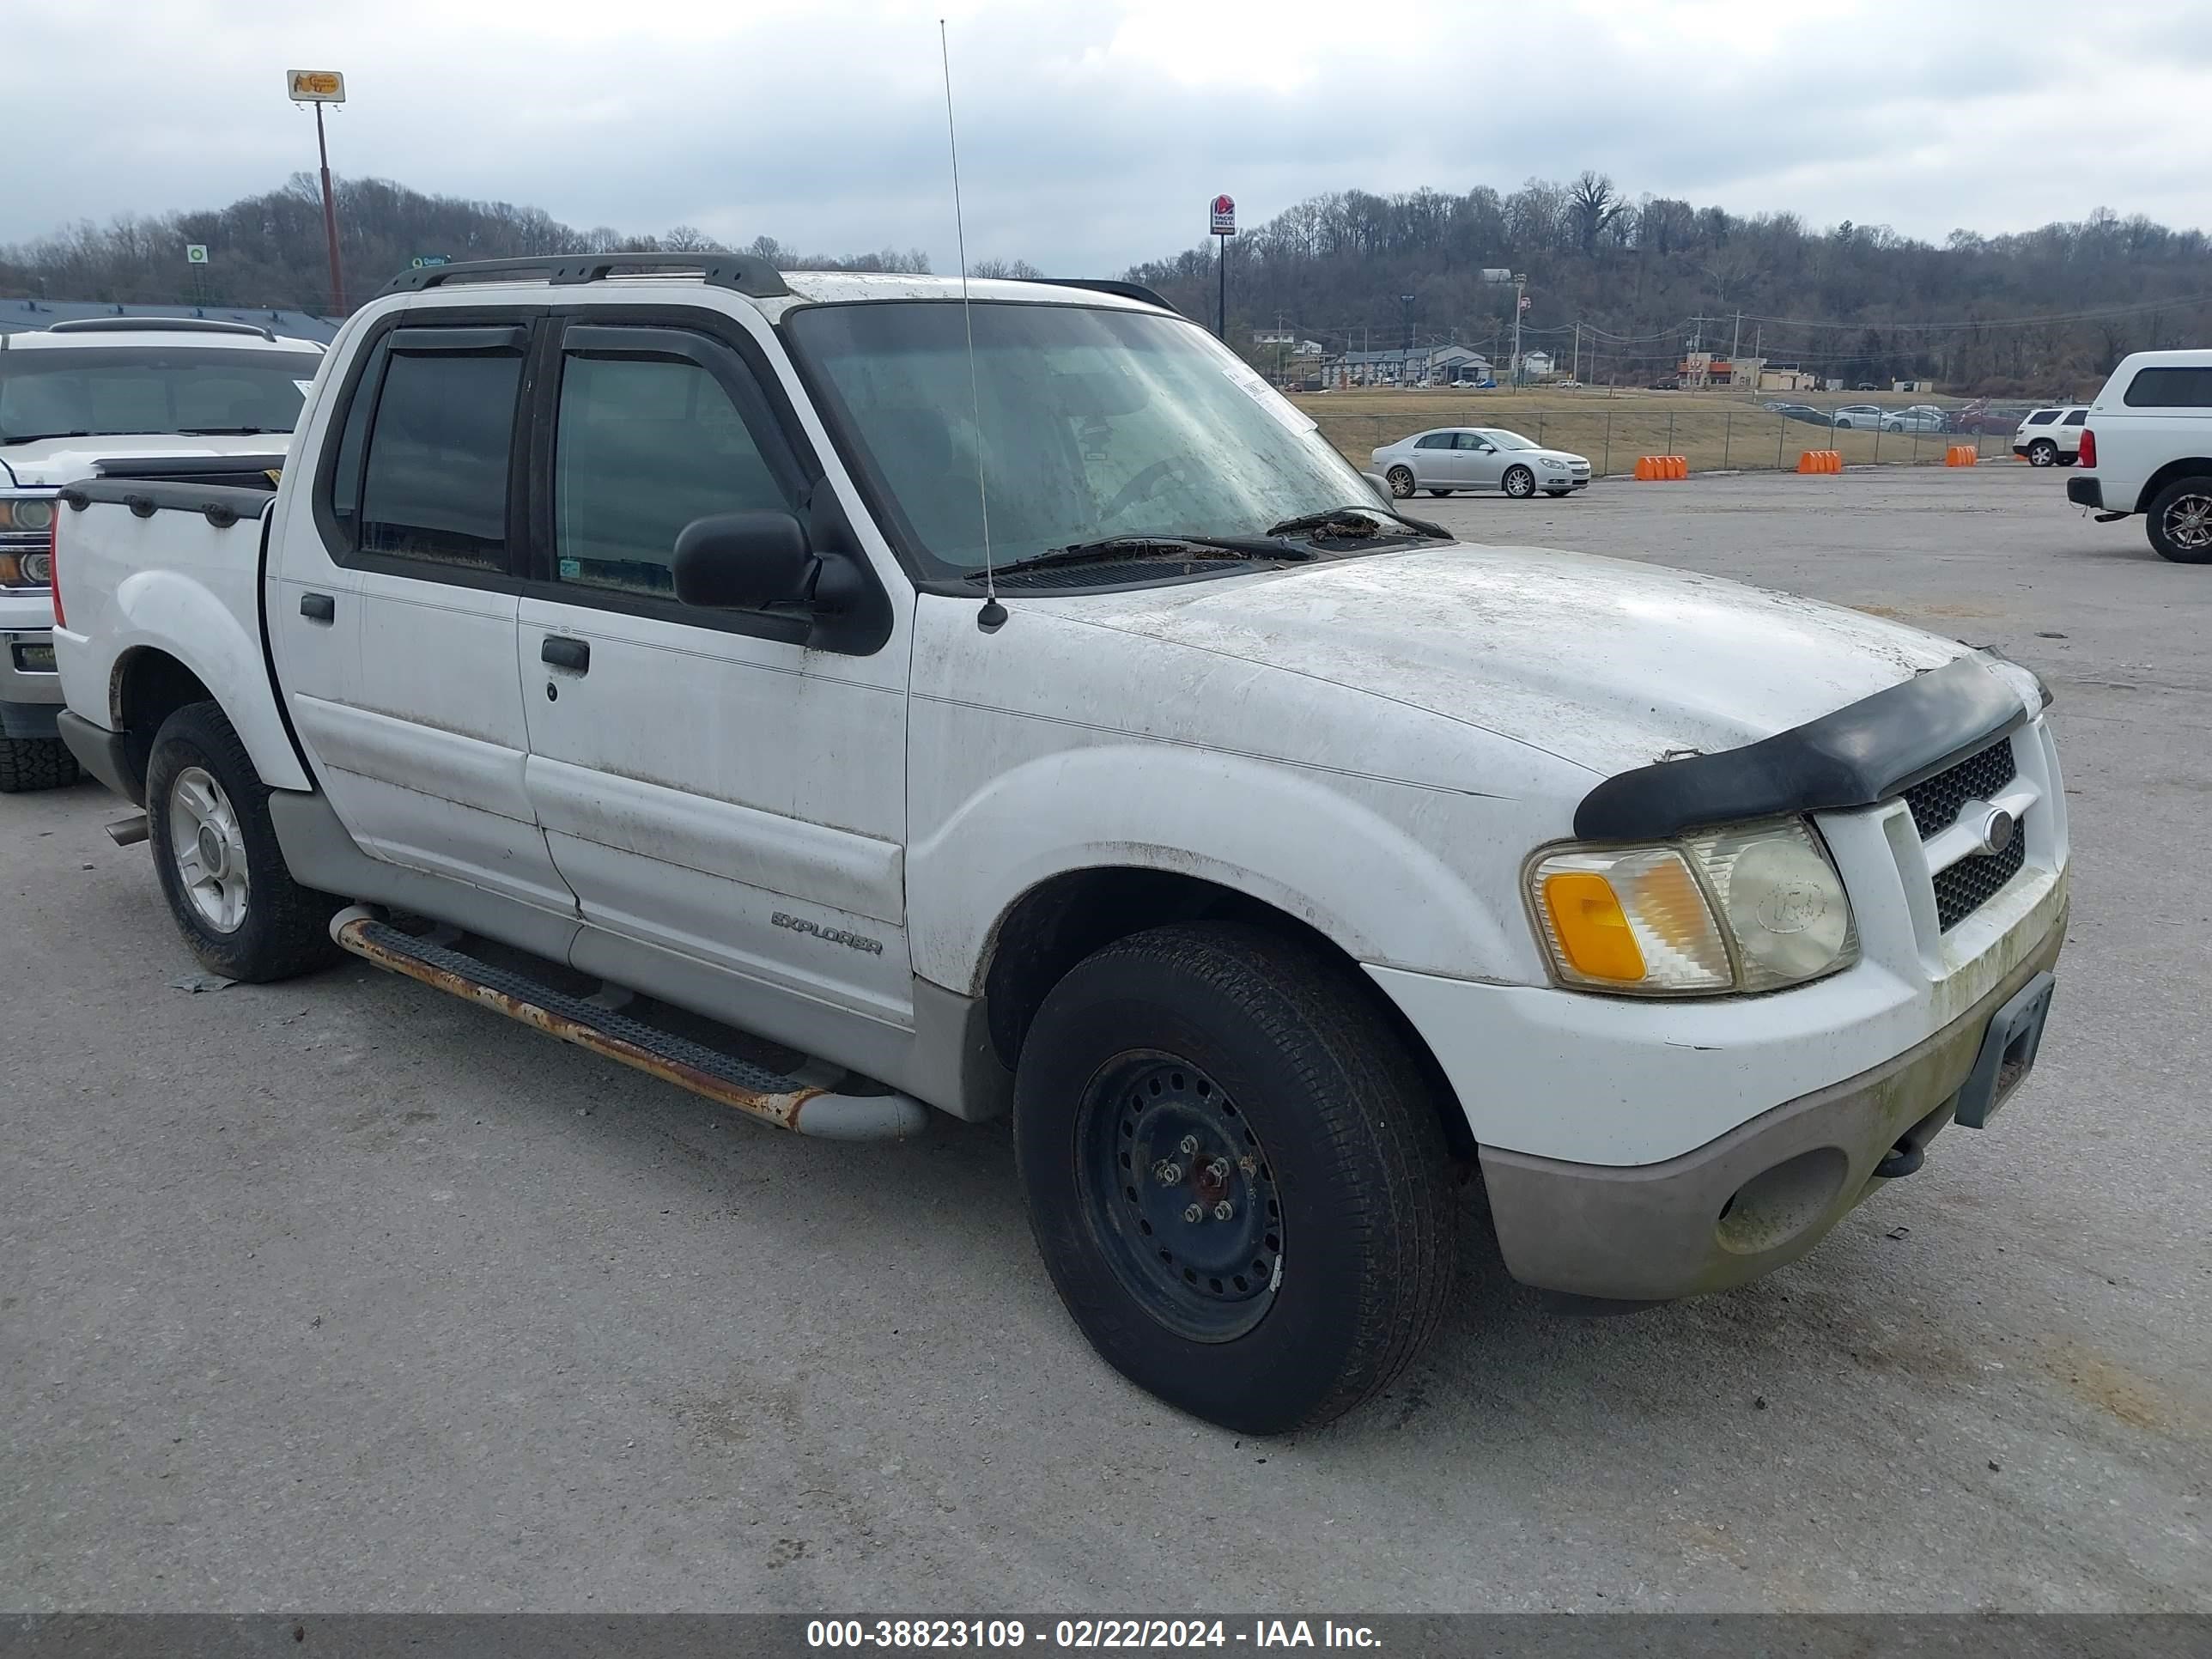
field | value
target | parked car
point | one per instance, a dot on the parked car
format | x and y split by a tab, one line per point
2146	446
1478	457
1920	418
81	394
1863	417
2051	437
1277	860
1799	412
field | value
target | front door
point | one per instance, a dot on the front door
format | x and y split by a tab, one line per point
708	785
1481	463
394	616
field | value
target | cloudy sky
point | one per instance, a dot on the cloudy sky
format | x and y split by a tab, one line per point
1093	131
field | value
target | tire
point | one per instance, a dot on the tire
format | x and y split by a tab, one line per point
1440	492
1257	1045
2042	453
2179	521
1559	495
2068	460
243	917
1401	480
30	763
1519	482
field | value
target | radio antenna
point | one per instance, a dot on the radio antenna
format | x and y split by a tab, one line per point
993	615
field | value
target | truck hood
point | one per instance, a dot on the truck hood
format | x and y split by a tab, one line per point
57	461
1605	663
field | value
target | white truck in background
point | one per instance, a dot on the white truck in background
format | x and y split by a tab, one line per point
1018	705
119	397
2147	447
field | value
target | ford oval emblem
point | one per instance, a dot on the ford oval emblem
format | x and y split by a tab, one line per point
1998	827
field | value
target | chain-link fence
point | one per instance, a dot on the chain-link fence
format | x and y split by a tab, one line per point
1613	433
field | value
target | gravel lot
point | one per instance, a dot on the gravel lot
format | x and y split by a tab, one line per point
343	1295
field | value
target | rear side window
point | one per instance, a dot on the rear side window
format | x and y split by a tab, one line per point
1433	440
2076	418
2043	417
2170	388
433	475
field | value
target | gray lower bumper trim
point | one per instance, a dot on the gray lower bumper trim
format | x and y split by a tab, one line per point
1757	1197
105	754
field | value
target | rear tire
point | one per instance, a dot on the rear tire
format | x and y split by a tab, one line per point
1519	482
1221	1071
2179	521
30	763
1401	480
215	851
2042	453
1556	494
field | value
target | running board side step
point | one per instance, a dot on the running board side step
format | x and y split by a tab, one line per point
807	1101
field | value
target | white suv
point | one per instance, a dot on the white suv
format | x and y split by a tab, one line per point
2051	437
81	395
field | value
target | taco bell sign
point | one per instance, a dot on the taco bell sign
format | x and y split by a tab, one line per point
1224	216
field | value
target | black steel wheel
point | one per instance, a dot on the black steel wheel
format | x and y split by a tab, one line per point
1179	1196
1237	1174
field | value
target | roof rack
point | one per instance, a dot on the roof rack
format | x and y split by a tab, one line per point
748	275
1105	285
155	326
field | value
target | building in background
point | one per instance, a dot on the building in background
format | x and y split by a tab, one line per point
1421	365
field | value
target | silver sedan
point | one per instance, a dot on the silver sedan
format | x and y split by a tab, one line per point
1479	458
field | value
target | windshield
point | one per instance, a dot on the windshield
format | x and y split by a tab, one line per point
1094	423
106	391
1509	441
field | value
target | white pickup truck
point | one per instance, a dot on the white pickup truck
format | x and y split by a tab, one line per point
115	396
2146	448
846	701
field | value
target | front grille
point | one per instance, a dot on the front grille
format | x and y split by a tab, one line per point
25	541
1971	882
1934	802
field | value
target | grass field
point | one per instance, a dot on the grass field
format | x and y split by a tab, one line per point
1613	427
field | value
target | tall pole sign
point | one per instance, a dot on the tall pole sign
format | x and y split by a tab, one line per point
1222	222
318	88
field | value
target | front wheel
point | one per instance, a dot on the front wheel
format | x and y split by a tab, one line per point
2042	453
1520	483
1235	1173
215	851
28	763
2179	522
1555	494
1401	480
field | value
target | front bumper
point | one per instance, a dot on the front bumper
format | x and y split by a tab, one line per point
30	691
1757	1197
2086	492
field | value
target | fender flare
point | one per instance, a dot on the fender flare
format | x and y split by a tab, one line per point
202	634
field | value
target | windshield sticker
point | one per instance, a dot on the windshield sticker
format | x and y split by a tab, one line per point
1266	396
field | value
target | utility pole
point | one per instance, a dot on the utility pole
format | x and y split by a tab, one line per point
1519	301
1279	348
1405	355
1736	347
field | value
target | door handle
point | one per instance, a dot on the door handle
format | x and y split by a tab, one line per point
574	654
318	607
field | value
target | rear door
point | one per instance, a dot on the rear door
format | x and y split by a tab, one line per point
708	785
1433	460
2069	430
394	620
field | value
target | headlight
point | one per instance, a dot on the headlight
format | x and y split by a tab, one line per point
24	513
1750	907
1556	466
27	570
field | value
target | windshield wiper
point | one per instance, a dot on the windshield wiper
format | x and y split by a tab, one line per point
1349	515
1109	549
221	431
40	437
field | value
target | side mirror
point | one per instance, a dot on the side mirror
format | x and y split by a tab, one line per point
1380	484
743	562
